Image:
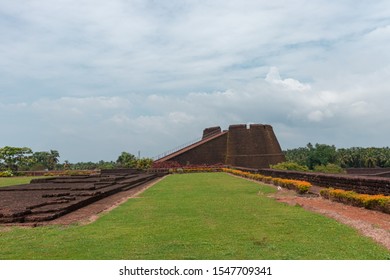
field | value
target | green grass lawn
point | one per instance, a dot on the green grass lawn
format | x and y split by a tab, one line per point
9	181
196	216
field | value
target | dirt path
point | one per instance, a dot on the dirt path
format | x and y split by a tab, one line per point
370	223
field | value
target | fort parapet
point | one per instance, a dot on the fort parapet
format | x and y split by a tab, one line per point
253	146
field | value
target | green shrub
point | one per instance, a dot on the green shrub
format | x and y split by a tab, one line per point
7	173
289	165
329	168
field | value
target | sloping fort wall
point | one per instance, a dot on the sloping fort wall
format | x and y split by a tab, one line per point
210	152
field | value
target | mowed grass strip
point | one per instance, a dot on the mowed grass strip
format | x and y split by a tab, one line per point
196	216
9	181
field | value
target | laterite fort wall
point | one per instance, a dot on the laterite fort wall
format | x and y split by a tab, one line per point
254	146
368	185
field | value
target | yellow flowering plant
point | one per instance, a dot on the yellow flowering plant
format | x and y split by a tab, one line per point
375	202
297	185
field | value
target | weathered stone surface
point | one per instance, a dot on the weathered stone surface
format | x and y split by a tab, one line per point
47	199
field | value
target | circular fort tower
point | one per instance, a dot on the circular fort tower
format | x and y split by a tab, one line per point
253	146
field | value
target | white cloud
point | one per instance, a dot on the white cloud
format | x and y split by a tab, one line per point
81	109
181	117
318	116
273	77
92	78
360	109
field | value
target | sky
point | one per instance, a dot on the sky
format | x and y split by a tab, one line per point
94	78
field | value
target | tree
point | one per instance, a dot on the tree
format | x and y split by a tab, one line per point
66	165
297	155
13	157
47	160
144	163
106	164
321	154
53	159
126	160
311	156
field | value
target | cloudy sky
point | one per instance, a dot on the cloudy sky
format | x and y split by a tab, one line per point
93	78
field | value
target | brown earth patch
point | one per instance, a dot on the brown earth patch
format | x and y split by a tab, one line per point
373	224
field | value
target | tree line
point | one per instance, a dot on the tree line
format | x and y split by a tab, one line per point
316	155
311	157
124	160
16	159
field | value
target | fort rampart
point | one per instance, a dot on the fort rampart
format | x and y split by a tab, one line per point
253	146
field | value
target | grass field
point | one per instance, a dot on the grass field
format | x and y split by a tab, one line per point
9	181
196	216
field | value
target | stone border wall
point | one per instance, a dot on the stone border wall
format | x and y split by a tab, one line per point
359	184
366	171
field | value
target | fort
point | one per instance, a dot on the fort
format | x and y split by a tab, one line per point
251	146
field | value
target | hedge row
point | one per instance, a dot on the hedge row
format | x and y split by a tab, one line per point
71	173
7	173
195	170
297	185
374	202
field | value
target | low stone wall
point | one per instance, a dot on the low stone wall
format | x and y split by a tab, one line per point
366	171
359	184
378	172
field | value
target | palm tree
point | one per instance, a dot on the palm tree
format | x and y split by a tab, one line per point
52	159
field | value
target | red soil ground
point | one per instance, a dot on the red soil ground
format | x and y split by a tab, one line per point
373	224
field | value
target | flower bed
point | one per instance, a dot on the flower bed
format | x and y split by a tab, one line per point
374	202
297	185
